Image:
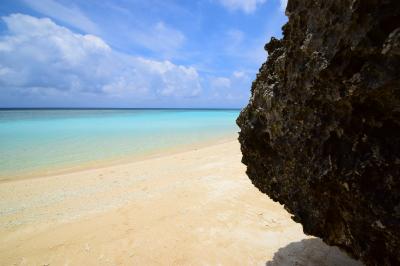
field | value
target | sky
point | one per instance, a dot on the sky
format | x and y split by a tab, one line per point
133	53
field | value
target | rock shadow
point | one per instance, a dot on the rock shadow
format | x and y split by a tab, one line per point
311	252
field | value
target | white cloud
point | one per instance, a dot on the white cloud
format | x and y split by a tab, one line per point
170	75
221	82
239	74
283	4
247	6
70	15
159	38
39	55
233	87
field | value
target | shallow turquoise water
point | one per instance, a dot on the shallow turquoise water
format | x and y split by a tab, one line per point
46	140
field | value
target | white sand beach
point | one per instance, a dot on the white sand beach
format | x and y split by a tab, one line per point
195	207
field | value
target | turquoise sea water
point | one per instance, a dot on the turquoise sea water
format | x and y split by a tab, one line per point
34	141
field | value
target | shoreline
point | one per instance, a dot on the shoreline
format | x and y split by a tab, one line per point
195	207
99	164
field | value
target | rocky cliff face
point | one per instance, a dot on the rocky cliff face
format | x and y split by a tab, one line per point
321	133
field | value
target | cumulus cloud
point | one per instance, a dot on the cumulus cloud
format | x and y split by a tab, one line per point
247	6
157	37
38	55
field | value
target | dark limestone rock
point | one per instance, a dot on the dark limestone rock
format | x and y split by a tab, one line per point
321	133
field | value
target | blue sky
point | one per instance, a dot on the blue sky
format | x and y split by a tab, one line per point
133	53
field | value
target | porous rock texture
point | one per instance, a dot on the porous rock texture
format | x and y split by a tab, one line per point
321	133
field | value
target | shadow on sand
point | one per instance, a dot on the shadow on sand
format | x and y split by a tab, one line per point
311	252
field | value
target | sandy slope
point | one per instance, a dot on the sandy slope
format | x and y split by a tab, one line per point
191	208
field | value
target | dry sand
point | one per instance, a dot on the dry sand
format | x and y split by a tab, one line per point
191	208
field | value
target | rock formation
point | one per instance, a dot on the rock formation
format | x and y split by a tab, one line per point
321	133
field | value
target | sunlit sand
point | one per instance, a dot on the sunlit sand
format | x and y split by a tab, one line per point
195	207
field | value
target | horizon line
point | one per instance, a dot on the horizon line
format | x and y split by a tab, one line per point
120	108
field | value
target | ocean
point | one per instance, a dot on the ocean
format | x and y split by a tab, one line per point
36	142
